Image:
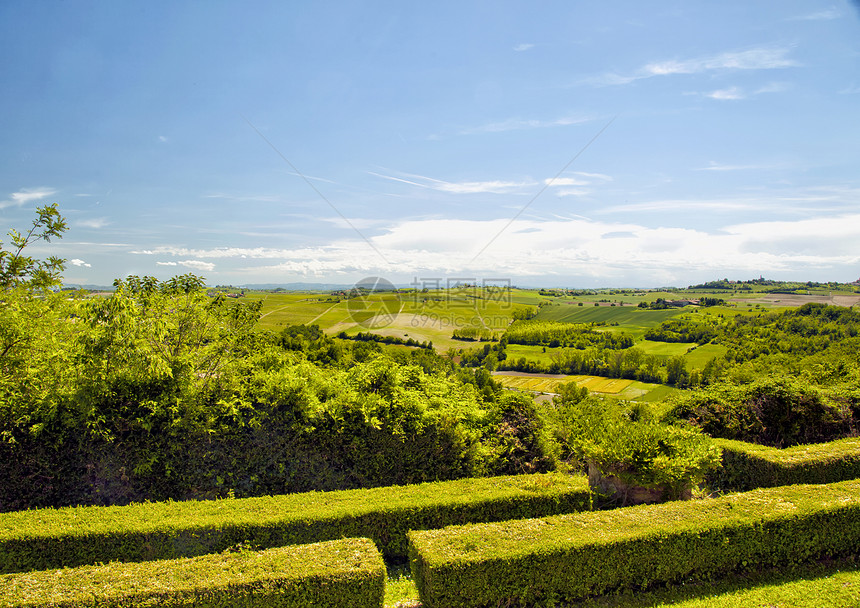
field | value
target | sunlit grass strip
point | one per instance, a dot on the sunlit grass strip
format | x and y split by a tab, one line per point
53	538
834	584
574	556
595	384
344	573
747	465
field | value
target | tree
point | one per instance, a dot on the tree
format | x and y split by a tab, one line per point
676	371
19	270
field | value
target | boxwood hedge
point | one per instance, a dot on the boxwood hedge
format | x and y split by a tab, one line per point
747	465
336	574
573	556
74	536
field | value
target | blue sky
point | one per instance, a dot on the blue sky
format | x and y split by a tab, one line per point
552	143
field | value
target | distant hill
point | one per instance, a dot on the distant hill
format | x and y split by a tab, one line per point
315	287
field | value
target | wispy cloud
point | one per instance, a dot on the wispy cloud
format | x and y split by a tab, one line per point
524	47
761	58
562	246
798	201
566	181
829	14
27	195
94	223
715	166
731	94
589	248
492	186
163	139
262	198
517	124
79	262
735	93
192	264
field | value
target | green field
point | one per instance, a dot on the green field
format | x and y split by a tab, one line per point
699	356
618	388
633	320
431	316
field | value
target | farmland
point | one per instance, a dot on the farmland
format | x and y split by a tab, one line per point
444	318
616	388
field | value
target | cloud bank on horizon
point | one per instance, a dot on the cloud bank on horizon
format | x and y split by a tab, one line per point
261	144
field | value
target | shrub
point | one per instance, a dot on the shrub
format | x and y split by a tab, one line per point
343	573
747	466
53	538
562	558
778	411
636	449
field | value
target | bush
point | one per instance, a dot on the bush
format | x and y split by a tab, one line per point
53	538
344	573
777	411
633	447
747	466
563	558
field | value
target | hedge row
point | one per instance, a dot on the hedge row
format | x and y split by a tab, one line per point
74	536
334	574
573	556
747	466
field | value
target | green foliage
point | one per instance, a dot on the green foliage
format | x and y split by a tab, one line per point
562	558
747	466
778	411
554	334
339	574
522	441
19	270
803	331
630	444
53	538
159	391
687	328
474	334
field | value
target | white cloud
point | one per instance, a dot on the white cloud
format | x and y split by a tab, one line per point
761	58
492	186
826	15
524	47
94	223
192	264
516	124
566	181
772	87
735	93
732	93
573	192
566	247
601	176
162	139
27	195
77	262
715	166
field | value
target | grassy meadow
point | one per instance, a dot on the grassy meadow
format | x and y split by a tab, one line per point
432	316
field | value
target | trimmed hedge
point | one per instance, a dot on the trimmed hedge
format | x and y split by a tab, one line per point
574	556
74	536
747	466
335	574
